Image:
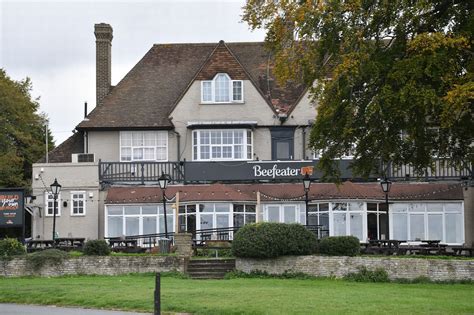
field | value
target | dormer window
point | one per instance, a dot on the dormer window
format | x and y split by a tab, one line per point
222	90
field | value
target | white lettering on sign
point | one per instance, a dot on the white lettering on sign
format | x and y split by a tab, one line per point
273	172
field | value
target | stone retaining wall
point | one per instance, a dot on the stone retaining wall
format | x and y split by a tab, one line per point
96	265
339	266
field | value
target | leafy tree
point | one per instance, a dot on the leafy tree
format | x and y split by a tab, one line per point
22	132
395	77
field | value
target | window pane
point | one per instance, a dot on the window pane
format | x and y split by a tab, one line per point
132	226
238	208
339	224
204	137
400	226
289	215
150	209
132	210
250	208
207	91
249	218
356	225
435	226
161	139
137	139
356	205
238	137
149	225
126	139
149	154
205	154
416	207
115	226
126	154
417	227
206	221
273	213
453	207
138	153
222	220
238	219
434	207
227	152
222	207
237	90
161	154
216	152
227	137
222	88
453	228
216	137
283	150
312	218
238	152
324	221
339	206
149	140
115	210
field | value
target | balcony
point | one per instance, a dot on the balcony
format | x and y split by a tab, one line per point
256	171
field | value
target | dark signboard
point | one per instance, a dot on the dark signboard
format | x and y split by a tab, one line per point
267	171
11	208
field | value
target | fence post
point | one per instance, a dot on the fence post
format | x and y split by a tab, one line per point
157	294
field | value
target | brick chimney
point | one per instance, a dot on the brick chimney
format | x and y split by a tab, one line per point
103	57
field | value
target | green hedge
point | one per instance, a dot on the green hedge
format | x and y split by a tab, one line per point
10	247
268	240
96	248
339	246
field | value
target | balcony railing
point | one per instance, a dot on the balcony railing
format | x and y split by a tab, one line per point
257	171
441	170
139	172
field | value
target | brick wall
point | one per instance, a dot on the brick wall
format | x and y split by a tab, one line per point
90	265
397	268
103	54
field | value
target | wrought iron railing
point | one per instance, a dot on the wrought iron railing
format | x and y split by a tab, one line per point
139	172
441	170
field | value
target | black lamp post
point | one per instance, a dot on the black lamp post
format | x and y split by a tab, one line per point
386	185
306	185
55	190
163	182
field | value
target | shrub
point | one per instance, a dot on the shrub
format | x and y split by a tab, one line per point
96	248
366	275
10	247
268	240
49	256
339	246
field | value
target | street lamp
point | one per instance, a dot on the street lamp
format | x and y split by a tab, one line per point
306	185
55	189
163	182
386	185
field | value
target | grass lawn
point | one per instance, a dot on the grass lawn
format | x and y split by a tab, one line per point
242	296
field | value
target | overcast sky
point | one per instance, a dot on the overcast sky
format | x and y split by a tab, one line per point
53	43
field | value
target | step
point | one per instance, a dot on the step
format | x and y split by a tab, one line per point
210	268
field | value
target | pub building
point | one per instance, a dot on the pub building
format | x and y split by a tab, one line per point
233	143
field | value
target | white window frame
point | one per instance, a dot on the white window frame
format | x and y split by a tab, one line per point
281	212
46	205
197	146
231	91
156	133
84	200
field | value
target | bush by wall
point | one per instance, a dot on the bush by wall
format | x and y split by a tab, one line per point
96	248
268	240
10	247
46	257
366	275
339	246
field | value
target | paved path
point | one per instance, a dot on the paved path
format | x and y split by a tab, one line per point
19	309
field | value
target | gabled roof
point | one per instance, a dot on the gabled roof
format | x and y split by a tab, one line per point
146	95
62	153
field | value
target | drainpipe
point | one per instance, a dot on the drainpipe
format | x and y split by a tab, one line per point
178	146
258	210
304	142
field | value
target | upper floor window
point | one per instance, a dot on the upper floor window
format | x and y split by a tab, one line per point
346	156
222	90
143	145
226	144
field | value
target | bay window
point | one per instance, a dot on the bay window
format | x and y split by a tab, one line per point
144	146
225	144
222	89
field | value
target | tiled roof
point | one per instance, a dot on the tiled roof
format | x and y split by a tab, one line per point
147	94
62	153
285	192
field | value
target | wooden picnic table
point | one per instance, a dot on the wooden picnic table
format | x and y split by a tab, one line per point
70	242
35	245
124	245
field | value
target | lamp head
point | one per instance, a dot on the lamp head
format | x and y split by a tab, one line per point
386	184
164	180
306	182
55	188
